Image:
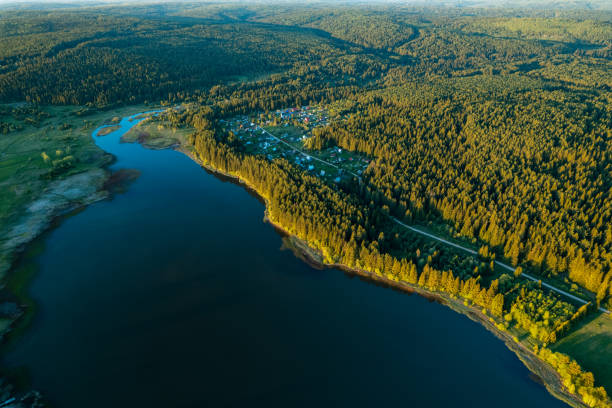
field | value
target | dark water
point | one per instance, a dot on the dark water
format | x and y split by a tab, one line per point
175	294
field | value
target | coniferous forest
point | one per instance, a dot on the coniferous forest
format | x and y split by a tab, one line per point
488	126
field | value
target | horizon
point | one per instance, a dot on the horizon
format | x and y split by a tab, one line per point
587	5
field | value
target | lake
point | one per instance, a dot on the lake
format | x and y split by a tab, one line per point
177	294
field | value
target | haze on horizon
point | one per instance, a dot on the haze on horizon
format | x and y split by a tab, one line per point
529	4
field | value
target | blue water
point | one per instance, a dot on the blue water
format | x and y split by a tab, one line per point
176	294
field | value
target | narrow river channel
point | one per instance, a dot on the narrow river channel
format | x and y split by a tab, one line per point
177	294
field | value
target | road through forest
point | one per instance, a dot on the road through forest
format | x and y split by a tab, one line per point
501	264
465	249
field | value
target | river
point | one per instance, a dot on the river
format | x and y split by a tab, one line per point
177	294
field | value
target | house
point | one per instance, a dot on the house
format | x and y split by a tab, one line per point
322	172
310	167
337	180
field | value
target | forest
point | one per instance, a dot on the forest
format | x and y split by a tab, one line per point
491	127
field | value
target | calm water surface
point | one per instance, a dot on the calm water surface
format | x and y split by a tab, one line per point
175	294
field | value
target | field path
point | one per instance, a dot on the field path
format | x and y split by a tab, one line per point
306	154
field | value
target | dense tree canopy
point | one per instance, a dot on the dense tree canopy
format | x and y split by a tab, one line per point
493	127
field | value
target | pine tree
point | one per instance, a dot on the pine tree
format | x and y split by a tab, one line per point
497	305
424	276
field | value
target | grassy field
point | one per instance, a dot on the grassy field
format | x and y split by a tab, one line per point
290	134
155	134
591	345
53	144
342	159
24	171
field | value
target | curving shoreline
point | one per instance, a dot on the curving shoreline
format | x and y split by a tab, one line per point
543	372
61	199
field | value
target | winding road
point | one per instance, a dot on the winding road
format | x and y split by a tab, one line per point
501	264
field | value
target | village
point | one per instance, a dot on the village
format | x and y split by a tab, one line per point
282	134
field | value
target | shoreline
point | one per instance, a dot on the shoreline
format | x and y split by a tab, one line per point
35	223
93	185
540	371
544	374
58	198
18	274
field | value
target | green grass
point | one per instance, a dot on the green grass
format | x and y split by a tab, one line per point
24	174
22	168
290	131
346	160
591	345
157	135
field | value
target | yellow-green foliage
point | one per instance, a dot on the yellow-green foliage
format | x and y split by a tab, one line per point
575	379
591	345
539	313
